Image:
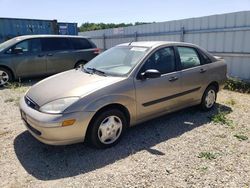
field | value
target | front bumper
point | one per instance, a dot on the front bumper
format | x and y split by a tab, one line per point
47	127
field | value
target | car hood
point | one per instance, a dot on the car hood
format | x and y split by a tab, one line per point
68	84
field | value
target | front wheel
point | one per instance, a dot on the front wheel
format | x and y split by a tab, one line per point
108	128
209	98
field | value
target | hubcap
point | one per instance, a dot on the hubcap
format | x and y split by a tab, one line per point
4	77
110	129
210	98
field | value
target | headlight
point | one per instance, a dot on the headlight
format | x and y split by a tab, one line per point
59	105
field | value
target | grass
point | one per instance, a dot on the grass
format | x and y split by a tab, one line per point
16	86
233	84
221	118
240	137
207	155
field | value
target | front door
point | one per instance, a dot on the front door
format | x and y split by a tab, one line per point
158	95
29	61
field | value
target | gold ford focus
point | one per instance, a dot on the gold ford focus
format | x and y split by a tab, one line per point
123	86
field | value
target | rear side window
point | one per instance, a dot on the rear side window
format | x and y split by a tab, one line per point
80	43
188	57
205	58
55	44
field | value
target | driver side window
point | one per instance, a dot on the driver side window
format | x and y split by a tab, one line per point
27	46
162	60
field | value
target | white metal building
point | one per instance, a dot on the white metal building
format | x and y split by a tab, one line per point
226	35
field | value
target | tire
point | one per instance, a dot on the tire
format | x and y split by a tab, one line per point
107	128
5	76
209	98
80	64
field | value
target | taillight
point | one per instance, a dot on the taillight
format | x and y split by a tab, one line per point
97	51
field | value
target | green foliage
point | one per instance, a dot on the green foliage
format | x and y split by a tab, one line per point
97	26
237	85
240	137
207	155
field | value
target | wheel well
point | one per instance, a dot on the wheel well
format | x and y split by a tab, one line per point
215	84
110	106
7	68
80	61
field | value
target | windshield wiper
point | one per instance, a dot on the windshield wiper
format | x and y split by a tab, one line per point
96	71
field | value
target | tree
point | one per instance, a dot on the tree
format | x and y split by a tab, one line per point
97	26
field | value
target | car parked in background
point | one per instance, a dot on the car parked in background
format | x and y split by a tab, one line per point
124	86
38	55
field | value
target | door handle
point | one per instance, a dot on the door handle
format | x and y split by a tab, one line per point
174	78
40	55
49	54
202	70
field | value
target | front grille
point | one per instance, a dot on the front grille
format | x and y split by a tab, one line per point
31	103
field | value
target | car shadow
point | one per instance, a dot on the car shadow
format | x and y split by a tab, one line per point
46	162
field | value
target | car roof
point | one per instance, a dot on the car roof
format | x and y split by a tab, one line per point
52	36
153	44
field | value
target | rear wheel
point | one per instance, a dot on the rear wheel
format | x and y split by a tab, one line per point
80	64
107	128
209	98
5	76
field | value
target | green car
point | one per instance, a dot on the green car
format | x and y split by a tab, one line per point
40	55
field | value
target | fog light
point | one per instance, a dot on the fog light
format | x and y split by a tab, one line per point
68	122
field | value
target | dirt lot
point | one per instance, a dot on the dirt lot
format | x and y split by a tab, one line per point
184	149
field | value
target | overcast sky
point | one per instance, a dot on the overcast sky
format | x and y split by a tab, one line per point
116	11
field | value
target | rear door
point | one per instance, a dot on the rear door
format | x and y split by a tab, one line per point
58	52
84	50
31	61
193	74
158	95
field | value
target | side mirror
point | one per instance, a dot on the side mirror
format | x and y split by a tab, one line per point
150	73
17	51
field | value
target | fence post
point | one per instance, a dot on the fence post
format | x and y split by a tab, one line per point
182	33
136	36
104	42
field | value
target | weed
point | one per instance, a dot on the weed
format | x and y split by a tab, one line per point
222	119
233	84
231	102
207	155
13	85
221	136
240	137
9	100
203	168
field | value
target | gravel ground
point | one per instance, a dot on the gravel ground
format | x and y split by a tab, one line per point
183	149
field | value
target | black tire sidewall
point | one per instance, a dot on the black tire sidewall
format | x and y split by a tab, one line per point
203	102
93	137
80	63
9	74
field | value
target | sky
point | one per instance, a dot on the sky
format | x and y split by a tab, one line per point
115	11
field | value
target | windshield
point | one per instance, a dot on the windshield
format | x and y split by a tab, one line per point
117	61
7	43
